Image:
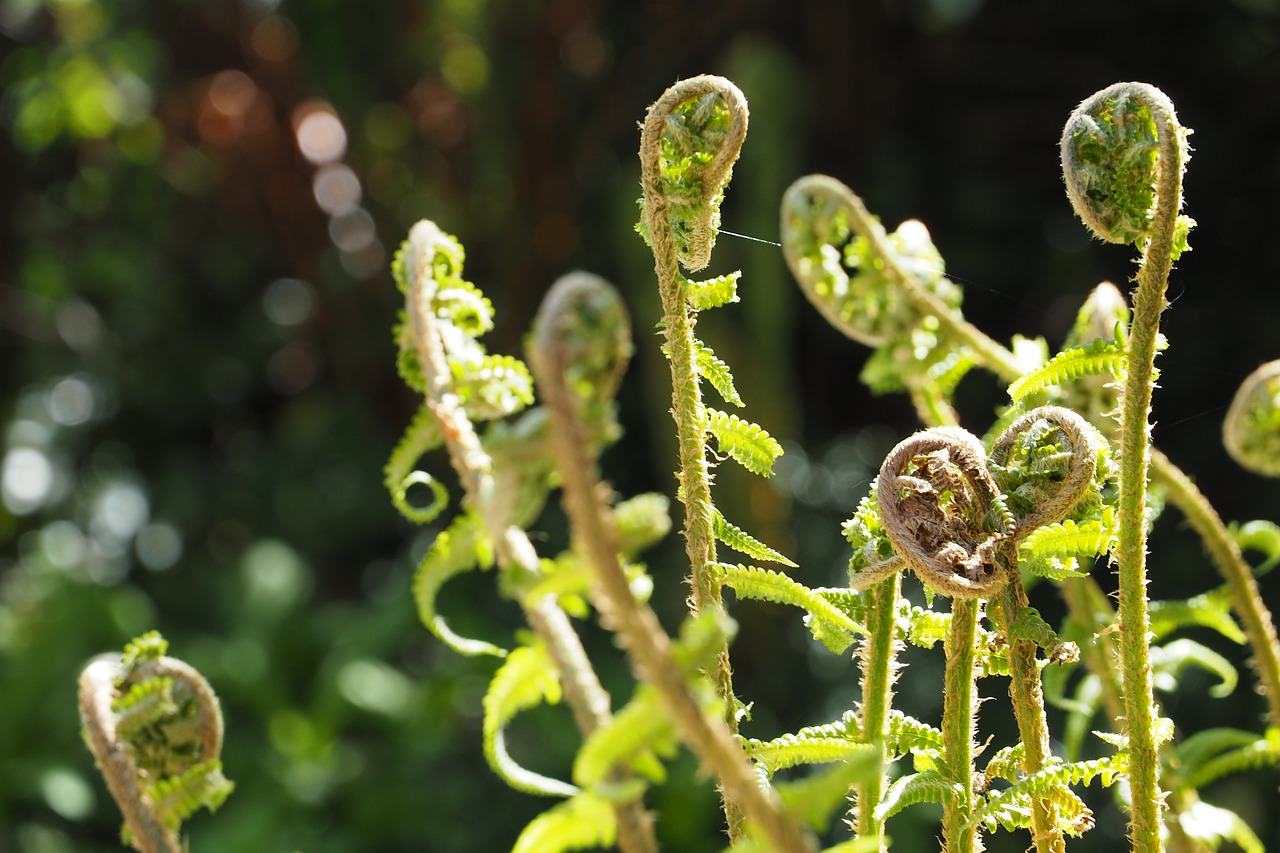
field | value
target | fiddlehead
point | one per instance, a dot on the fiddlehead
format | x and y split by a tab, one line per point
1251	431
944	514
154	727
1123	155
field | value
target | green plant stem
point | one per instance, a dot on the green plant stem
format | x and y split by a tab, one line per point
878	653
583	692
1135	440
1028	708
959	717
1245	595
686	395
641	635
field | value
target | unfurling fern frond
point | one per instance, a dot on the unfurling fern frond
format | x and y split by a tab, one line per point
1010	806
713	292
1096	359
829	625
927	786
715	371
583	822
752	447
177	798
739	540
492	386
527	678
635	737
460	548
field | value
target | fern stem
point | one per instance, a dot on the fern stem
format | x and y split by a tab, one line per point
878	653
1135	439
678	322
583	692
641	635
1028	708
959	717
1245	595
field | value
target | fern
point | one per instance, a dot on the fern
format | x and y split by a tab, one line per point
579	823
635	736
1209	610
739	540
1053	782
422	435
458	549
927	786
176	798
829	624
1069	538
1170	660
905	734
792	750
713	292
526	678
1260	752
1098	358
815	797
752	447
715	371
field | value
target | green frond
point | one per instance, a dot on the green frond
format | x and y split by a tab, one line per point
945	374
458	549
635	738
176	798
792	750
904	734
1212	825
147	647
492	386
713	292
1068	538
1006	763
1096	359
850	602
865	535
421	436
1011	806
145	702
1263	751
925	628
715	371
928	786
526	678
463	304
752	447
743	542
1169	661
829	624
582	822
1199	749
1209	610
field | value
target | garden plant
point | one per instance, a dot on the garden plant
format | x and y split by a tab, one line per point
1053	496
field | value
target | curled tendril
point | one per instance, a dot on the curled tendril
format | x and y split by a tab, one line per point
1251	431
688	145
154	727
583	335
1045	462
943	513
839	267
1116	148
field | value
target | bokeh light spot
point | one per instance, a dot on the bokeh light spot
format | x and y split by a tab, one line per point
26	480
321	136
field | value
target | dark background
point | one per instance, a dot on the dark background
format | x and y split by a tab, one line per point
198	390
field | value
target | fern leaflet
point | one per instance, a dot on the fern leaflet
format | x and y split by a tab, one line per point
458	549
752	447
792	750
716	371
1208	610
1006	807
526	678
739	540
177	798
1097	359
714	292
927	786
580	823
829	624
422	435
634	737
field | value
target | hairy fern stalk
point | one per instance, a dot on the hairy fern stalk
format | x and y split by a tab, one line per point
958	532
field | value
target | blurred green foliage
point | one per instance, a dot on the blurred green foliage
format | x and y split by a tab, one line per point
197	388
